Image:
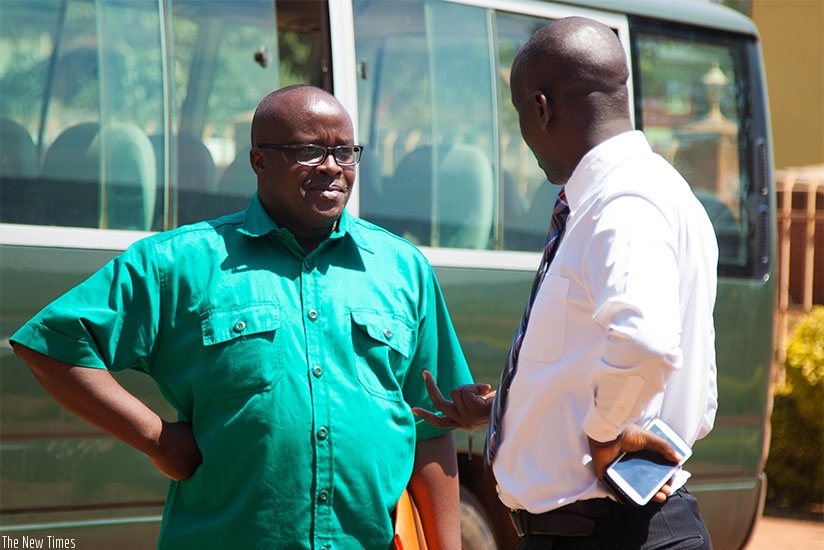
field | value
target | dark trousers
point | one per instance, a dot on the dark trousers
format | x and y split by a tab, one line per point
673	525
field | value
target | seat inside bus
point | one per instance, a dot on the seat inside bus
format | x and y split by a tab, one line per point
114	192
464	190
196	178
18	169
239	179
18	155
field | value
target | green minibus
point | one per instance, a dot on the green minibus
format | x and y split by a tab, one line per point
119	118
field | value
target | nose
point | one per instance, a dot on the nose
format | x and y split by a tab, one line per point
329	164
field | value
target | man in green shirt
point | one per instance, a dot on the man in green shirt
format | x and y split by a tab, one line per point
291	338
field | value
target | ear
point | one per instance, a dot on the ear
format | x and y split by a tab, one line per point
543	108
258	161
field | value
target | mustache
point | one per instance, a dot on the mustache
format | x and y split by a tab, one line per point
326	182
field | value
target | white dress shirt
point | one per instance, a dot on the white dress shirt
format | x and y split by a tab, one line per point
621	330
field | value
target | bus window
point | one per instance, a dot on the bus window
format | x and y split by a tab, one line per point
445	165
527	198
692	105
229	55
127	114
84	82
429	173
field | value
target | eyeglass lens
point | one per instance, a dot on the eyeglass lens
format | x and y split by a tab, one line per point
315	154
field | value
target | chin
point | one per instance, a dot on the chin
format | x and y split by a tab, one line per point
331	214
552	176
555	179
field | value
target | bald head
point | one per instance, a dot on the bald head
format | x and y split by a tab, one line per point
569	86
292	107
574	59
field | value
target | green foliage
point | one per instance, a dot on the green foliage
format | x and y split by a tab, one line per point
795	468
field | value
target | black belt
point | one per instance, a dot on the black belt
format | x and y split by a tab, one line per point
573	520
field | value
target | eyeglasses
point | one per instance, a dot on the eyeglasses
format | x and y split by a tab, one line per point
315	155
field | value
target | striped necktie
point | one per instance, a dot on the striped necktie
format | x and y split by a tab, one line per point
556	230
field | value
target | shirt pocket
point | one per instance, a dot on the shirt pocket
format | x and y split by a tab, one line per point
382	344
546	330
242	348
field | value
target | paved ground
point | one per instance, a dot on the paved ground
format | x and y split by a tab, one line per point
775	533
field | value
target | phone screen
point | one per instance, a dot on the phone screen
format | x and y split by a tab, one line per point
646	471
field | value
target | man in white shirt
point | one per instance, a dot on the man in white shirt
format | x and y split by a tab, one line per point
619	330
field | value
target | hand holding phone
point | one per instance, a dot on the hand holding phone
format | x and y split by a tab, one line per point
638	476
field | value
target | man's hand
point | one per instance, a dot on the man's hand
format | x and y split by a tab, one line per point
177	455
633	438
469	408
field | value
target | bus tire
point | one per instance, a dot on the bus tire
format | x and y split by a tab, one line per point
476	532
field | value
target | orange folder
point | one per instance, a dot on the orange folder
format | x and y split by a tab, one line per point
408	529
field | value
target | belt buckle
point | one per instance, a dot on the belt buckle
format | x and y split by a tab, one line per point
516	521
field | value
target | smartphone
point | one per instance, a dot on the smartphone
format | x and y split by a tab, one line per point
638	476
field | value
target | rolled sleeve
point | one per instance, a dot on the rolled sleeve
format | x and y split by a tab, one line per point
104	322
43	339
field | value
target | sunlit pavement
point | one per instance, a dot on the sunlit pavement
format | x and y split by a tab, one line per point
773	533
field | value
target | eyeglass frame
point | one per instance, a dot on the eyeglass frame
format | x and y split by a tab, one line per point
357	150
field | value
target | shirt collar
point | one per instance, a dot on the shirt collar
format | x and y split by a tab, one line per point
257	223
599	161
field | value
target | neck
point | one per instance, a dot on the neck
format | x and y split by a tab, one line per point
310	241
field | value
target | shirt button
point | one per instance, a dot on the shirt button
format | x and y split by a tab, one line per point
240	326
317	371
323	433
387	333
313	315
323	496
308	263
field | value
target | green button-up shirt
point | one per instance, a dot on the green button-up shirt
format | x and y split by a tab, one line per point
297	371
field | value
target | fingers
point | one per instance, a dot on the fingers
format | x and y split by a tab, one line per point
469	398
664	493
435	394
470	390
463	397
473	404
660	445
444	420
437	420
636	438
469	408
463	401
